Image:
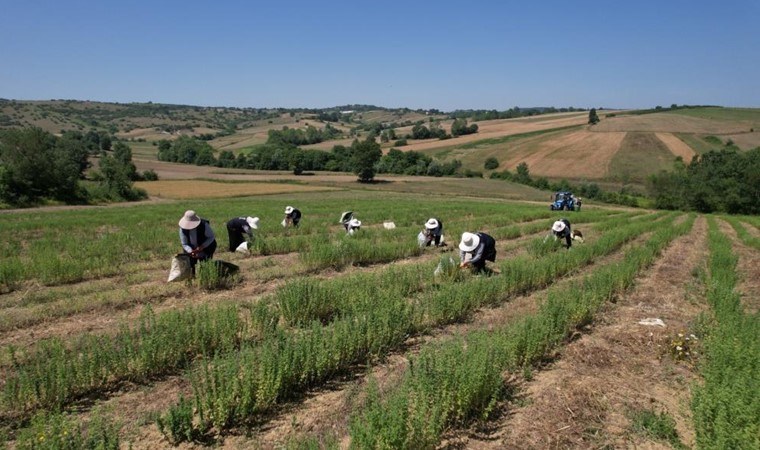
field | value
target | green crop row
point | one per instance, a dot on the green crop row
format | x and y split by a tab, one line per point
726	405
742	232
232	389
451	382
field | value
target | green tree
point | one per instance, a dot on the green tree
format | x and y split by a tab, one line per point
522	174
365	155
491	163
123	154
592	117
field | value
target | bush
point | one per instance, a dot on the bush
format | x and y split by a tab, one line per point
150	175
491	163
400	143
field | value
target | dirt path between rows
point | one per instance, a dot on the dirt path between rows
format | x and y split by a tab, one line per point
586	398
326	411
748	267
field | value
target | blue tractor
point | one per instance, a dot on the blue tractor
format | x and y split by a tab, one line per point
563	200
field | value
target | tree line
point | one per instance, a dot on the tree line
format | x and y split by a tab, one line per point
37	166
723	181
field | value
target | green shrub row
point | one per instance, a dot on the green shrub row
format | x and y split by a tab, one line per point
726	405
454	381
232	389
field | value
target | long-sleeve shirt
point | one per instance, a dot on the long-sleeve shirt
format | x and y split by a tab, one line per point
477	253
190	244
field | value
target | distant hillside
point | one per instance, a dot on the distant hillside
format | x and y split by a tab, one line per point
624	147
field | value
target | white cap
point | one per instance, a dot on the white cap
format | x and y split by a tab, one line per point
288	209
431	224
253	222
558	226
469	242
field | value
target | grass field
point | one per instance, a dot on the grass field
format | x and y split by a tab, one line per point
333	341
192	189
640	154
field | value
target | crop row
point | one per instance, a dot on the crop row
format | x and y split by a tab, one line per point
232	389
451	382
726	405
92	244
742	232
56	374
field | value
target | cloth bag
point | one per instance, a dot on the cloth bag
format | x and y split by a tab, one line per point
180	269
243	248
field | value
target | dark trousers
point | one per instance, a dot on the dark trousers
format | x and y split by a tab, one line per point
236	237
433	239
489	255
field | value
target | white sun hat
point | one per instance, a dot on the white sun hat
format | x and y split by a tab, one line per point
355	223
469	242
288	209
431	224
190	220
253	222
558	226
346	216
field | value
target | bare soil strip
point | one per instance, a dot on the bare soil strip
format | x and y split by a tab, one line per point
676	146
586	398
748	267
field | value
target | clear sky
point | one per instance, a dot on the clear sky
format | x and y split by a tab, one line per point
420	54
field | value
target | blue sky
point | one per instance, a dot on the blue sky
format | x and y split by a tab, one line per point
420	54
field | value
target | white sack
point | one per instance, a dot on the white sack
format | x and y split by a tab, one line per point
243	248
180	269
284	222
421	239
389	225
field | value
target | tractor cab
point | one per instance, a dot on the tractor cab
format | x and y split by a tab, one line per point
563	200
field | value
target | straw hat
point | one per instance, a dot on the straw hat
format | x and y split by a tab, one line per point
431	224
190	220
558	226
355	223
288	209
253	222
469	242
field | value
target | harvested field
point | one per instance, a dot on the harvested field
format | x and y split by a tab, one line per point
745	141
676	146
186	189
669	123
579	154
500	128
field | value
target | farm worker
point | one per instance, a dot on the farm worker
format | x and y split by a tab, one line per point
475	249
578	204
433	232
292	216
197	238
561	229
345	218
239	225
353	225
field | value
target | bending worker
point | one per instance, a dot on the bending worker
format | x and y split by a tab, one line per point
239	225
197	238
433	232
292	216
475	249
561	229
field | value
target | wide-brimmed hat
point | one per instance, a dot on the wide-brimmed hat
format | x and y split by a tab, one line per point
469	242
431	224
346	216
190	220
253	222
558	226
288	209
355	223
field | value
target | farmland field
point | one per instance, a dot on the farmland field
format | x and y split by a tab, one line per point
334	341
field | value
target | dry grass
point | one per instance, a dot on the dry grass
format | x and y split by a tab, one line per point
676	146
670	123
187	189
640	155
577	154
746	141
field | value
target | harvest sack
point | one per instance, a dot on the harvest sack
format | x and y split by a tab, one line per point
243	248
284	222
421	239
445	266
181	269
389	225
